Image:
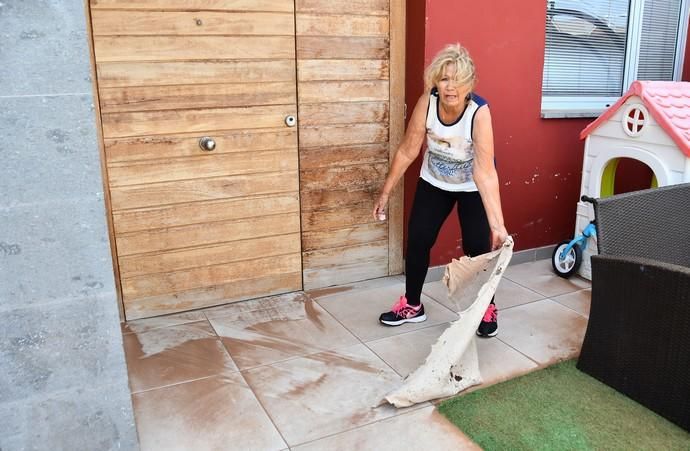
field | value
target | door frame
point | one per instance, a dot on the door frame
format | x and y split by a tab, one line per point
397	12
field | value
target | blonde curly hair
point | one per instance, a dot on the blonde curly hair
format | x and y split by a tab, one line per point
451	54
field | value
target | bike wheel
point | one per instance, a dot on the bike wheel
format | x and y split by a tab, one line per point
566	267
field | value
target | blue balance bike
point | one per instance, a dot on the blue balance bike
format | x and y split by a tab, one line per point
567	255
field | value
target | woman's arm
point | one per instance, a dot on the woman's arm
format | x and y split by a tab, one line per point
407	152
485	175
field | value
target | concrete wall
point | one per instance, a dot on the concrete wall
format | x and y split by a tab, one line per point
63	379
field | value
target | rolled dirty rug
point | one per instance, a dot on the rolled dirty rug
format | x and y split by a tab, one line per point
452	365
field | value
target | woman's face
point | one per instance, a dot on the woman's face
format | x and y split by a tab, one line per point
450	92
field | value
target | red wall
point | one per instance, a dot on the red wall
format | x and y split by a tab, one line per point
539	160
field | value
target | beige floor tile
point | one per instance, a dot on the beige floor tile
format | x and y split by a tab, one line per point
578	301
422	429
545	331
236	308
499	362
143	325
406	352
284	327
326	393
359	311
509	294
174	354
539	276
355	286
216	413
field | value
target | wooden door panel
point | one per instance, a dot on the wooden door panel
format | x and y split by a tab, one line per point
163	262
194	227
342	47
163	217
328	157
335	218
143	73
204	276
197	5
207	233
118	22
315	70
202	166
344	237
341	25
175	48
344	95
345	134
168	193
236	290
153	98
343	91
322	200
341	265
187	145
144	123
342	177
372	7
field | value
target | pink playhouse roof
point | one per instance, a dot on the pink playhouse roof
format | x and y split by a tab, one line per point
667	101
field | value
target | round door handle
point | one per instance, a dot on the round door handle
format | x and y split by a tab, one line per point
290	121
206	143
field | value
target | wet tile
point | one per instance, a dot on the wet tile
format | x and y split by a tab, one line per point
174	354
216	413
499	362
508	294
283	327
578	301
362	285
545	331
144	325
325	393
539	276
359	311
421	429
406	352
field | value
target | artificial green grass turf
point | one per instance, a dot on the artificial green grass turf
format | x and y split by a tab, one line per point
560	408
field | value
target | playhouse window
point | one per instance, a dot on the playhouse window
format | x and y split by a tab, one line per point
595	49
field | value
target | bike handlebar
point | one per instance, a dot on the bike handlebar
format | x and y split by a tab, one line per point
591	200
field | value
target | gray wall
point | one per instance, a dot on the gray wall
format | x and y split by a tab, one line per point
63	379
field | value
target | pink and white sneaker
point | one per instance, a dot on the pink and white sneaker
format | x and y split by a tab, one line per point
489	325
402	312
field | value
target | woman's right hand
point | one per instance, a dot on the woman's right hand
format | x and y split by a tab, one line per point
380	207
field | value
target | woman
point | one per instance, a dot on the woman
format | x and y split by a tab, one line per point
458	167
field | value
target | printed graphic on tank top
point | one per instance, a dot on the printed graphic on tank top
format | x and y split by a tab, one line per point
449	158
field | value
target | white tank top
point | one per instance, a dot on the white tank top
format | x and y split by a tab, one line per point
449	157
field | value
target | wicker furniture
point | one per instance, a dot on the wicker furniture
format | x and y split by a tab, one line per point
638	335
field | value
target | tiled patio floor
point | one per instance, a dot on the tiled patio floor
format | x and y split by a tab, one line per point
307	371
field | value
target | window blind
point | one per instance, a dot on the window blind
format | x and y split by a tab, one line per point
585	47
658	39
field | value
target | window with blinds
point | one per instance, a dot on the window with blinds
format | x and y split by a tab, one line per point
658	38
596	48
585	48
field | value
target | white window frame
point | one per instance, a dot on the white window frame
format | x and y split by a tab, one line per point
563	106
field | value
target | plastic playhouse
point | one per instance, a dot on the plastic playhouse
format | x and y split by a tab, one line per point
649	123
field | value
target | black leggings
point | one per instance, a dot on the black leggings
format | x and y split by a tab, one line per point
430	209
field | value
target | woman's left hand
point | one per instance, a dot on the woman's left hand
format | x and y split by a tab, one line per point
498	237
